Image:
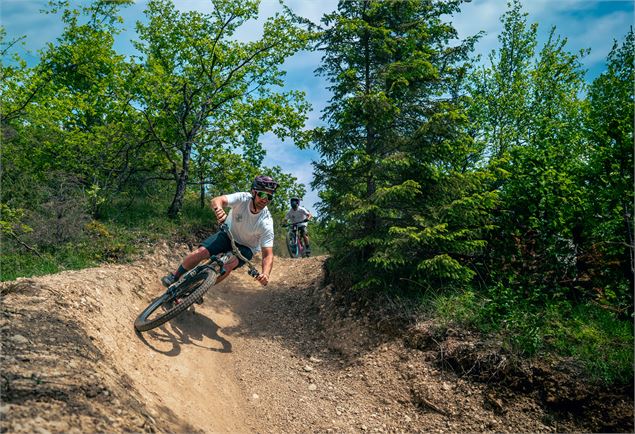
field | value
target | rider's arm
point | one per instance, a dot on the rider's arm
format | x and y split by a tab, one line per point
218	203
267	265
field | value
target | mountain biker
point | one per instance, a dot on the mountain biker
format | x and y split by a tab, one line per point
251	225
300	215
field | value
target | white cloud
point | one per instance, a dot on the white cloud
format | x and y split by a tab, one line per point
585	23
598	35
311	9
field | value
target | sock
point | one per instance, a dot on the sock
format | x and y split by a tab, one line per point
181	271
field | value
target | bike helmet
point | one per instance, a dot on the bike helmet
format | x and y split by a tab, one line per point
263	182
295	202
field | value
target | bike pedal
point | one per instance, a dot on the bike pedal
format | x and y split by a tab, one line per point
199	300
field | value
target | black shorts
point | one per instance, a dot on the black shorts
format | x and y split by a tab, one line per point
219	243
302	230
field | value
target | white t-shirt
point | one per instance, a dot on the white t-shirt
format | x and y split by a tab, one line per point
251	230
298	215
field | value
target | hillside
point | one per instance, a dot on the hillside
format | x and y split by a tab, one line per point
285	358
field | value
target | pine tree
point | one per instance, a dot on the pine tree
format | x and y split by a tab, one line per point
400	194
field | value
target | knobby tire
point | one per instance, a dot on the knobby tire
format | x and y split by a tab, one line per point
292	247
142	323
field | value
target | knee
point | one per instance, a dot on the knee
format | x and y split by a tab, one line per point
198	255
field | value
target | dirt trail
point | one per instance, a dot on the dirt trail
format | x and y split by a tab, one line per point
280	359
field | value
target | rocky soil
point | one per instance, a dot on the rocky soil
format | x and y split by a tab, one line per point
288	358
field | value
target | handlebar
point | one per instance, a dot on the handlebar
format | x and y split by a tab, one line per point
296	223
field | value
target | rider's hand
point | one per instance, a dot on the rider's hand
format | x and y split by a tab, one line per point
263	279
220	214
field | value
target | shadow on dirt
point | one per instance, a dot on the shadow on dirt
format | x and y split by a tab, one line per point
189	328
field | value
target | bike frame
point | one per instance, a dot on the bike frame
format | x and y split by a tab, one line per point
214	263
296	239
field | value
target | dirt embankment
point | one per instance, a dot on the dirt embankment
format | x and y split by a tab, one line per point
289	358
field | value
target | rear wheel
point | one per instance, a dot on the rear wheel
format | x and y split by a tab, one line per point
188	292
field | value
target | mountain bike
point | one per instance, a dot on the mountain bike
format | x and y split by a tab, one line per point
190	288
295	242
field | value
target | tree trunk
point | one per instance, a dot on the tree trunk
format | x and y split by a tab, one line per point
181	183
370	222
202	189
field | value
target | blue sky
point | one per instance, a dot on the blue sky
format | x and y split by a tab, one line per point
590	24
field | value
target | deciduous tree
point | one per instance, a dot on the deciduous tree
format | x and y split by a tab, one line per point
197	80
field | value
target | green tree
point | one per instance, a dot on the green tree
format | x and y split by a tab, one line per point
401	199
542	193
199	87
79	123
606	232
16	81
500	91
528	114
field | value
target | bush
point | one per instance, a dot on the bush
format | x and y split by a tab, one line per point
594	336
59	214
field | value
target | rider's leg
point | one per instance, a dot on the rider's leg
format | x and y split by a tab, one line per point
220	243
305	237
213	245
307	247
189	262
193	259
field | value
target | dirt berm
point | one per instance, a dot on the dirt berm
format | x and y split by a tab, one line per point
282	359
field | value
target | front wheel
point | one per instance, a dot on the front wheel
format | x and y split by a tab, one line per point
187	292
292	245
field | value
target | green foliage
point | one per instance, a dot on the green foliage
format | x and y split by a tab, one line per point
11	221
14	264
554	210
128	228
118	125
77	121
595	336
592	335
605	234
16	82
401	199
201	92
501	92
